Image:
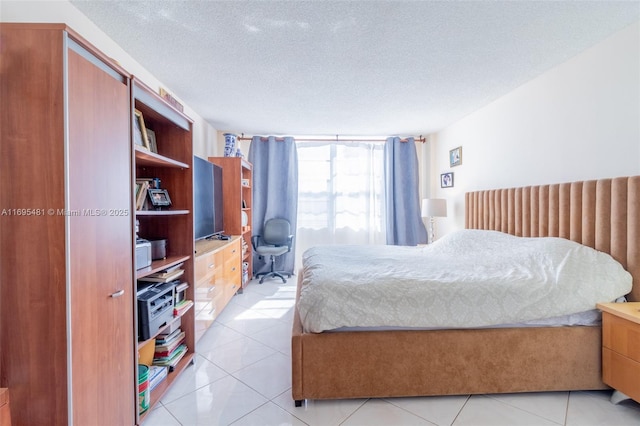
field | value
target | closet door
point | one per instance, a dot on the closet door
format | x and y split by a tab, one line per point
100	239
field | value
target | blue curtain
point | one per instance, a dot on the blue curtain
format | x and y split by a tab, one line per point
275	192
404	224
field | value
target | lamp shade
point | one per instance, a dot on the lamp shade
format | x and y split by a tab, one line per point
434	207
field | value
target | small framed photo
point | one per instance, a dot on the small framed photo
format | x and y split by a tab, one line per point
455	157
159	197
446	180
151	139
139	130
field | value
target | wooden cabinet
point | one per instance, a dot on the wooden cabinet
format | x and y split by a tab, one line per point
621	347
218	278
172	165
5	409
66	335
237	177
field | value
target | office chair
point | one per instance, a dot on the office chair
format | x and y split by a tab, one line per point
276	241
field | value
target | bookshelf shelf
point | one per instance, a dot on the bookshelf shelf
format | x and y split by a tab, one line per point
163	328
161	389
159	265
171	165
151	159
161	212
238	179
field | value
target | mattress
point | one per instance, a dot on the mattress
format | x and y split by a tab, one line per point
589	318
467	279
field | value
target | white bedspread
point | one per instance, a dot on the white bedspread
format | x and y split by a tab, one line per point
467	279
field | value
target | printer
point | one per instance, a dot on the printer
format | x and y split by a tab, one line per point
143	253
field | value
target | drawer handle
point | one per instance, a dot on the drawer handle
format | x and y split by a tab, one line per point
212	288
117	294
211	265
233	269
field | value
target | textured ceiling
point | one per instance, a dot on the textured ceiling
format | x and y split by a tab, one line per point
350	67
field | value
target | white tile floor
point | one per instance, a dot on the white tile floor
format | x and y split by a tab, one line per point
242	377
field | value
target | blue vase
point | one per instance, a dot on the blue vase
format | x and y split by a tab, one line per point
229	144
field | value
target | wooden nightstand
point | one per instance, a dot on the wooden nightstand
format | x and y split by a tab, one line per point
621	349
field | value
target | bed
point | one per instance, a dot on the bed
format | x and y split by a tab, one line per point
603	214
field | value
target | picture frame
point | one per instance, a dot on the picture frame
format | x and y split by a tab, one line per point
151	139
139	130
446	180
159	197
455	157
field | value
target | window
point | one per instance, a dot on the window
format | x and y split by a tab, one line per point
340	194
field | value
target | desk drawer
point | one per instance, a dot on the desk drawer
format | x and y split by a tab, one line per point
232	250
206	265
621	336
621	373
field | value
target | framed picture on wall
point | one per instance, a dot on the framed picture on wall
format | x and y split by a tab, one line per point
455	157
446	180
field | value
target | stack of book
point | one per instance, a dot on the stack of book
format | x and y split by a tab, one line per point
181	305
157	373
165	275
180	293
170	348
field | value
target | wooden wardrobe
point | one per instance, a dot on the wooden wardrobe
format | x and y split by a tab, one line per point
66	333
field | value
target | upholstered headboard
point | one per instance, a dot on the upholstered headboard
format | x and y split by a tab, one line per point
603	214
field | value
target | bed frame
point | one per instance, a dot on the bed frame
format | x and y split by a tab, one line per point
604	214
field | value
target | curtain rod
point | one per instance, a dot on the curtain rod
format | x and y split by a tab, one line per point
242	137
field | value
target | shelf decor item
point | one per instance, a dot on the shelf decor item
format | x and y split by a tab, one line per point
230	144
151	139
159	197
170	99
140	131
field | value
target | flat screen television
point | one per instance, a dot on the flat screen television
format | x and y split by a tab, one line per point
208	220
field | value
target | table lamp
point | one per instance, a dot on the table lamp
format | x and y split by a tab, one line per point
432	208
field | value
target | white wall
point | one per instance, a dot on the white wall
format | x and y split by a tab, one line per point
578	121
204	136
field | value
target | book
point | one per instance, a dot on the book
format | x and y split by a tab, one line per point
162	277
167	354
167	274
165	338
173	268
164	359
182	307
172	360
157	373
168	334
182	286
169	346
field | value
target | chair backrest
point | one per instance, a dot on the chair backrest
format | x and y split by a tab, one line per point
276	232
